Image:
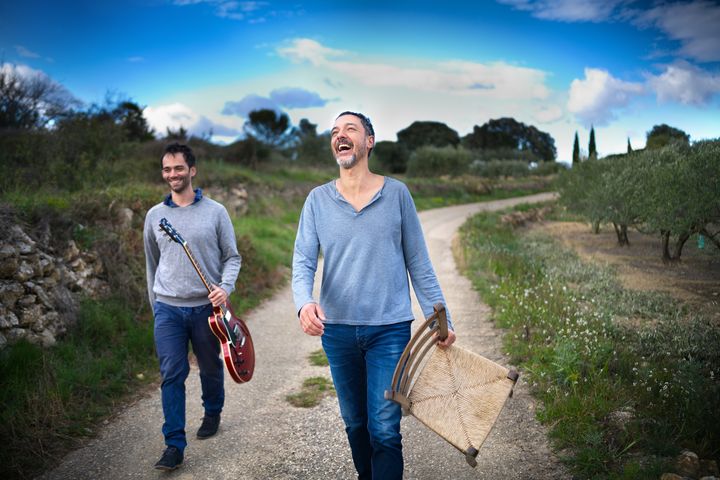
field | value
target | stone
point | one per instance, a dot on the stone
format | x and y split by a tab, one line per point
3	341
41	295
671	476
125	218
619	419
24	243
27	301
46	264
709	468
687	464
71	251
9	261
47	339
16	334
28	316
24	272
8	320
10	292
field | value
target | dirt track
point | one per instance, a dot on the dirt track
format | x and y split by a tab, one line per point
262	437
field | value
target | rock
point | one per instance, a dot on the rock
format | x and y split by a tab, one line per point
687	464
47	339
46	264
71	251
27	301
24	243
24	272
3	341
671	476
9	261
8	320
619	419
16	334
10	292
709	468
28	316
125	217
41	295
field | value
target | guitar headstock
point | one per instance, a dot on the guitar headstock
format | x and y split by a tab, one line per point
171	232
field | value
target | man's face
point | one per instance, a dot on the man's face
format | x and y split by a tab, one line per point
349	141
176	172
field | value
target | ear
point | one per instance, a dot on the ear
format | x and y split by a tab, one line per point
370	142
193	171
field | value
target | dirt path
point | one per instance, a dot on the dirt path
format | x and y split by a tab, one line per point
262	437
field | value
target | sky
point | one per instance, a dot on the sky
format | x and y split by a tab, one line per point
621	66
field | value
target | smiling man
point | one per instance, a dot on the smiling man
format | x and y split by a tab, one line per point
179	299
370	236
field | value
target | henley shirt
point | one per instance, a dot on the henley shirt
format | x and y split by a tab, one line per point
367	257
207	228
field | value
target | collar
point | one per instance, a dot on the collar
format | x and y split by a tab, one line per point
169	202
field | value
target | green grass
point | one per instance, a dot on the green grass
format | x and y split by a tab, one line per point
318	358
53	397
313	390
588	348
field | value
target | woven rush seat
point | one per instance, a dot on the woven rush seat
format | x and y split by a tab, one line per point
456	393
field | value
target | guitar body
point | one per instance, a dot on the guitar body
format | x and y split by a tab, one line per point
235	342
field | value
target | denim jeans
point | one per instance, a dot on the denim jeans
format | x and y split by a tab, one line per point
174	327
362	361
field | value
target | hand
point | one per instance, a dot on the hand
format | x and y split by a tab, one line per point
448	341
218	296
311	319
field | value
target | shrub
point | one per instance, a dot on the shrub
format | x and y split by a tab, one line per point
434	161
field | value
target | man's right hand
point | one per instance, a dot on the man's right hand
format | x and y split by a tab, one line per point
311	317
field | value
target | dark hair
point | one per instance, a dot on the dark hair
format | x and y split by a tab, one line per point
366	123
175	148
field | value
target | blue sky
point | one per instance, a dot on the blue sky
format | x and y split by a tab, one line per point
620	65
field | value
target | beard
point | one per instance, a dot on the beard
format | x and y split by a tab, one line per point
347	163
183	184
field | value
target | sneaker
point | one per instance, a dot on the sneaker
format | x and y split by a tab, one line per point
171	459
209	427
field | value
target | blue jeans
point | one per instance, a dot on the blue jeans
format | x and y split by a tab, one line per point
174	327
362	361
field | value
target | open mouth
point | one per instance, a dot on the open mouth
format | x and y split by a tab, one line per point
343	147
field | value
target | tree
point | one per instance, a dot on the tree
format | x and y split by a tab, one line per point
270	127
311	148
435	134
592	150
663	135
129	115
31	100
576	150
629	147
508	133
391	156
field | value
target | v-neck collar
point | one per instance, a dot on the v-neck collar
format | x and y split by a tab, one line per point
375	197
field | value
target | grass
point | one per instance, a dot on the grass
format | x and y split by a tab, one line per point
318	358
52	398
313	390
567	326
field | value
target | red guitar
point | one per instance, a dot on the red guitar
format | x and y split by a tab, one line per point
234	335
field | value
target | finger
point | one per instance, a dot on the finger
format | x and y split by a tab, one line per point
320	312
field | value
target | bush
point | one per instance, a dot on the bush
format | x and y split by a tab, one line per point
499	168
434	161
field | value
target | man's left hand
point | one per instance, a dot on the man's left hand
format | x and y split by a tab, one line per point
448	341
218	296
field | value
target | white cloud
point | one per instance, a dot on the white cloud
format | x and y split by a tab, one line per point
176	115
594	99
695	24
24	52
567	10
231	9
549	114
685	83
498	80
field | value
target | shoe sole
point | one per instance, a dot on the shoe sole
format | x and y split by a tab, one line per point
167	469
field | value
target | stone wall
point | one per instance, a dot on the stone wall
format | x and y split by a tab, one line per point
40	288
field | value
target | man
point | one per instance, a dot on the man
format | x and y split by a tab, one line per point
370	236
180	302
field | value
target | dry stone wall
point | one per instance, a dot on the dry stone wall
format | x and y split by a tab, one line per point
40	288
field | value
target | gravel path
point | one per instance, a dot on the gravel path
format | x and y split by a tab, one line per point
263	437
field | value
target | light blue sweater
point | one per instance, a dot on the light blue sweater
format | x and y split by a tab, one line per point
367	257
207	228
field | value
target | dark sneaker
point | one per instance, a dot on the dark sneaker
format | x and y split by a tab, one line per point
171	459
209	427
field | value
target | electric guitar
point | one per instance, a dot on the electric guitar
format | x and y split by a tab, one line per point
232	332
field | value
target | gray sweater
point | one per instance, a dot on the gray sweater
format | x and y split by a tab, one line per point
207	228
367	254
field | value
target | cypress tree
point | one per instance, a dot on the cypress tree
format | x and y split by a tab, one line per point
592	151
629	146
576	150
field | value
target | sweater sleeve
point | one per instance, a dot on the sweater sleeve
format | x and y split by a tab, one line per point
305	256
417	260
230	258
152	256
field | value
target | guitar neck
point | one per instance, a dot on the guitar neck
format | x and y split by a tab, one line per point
196	265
